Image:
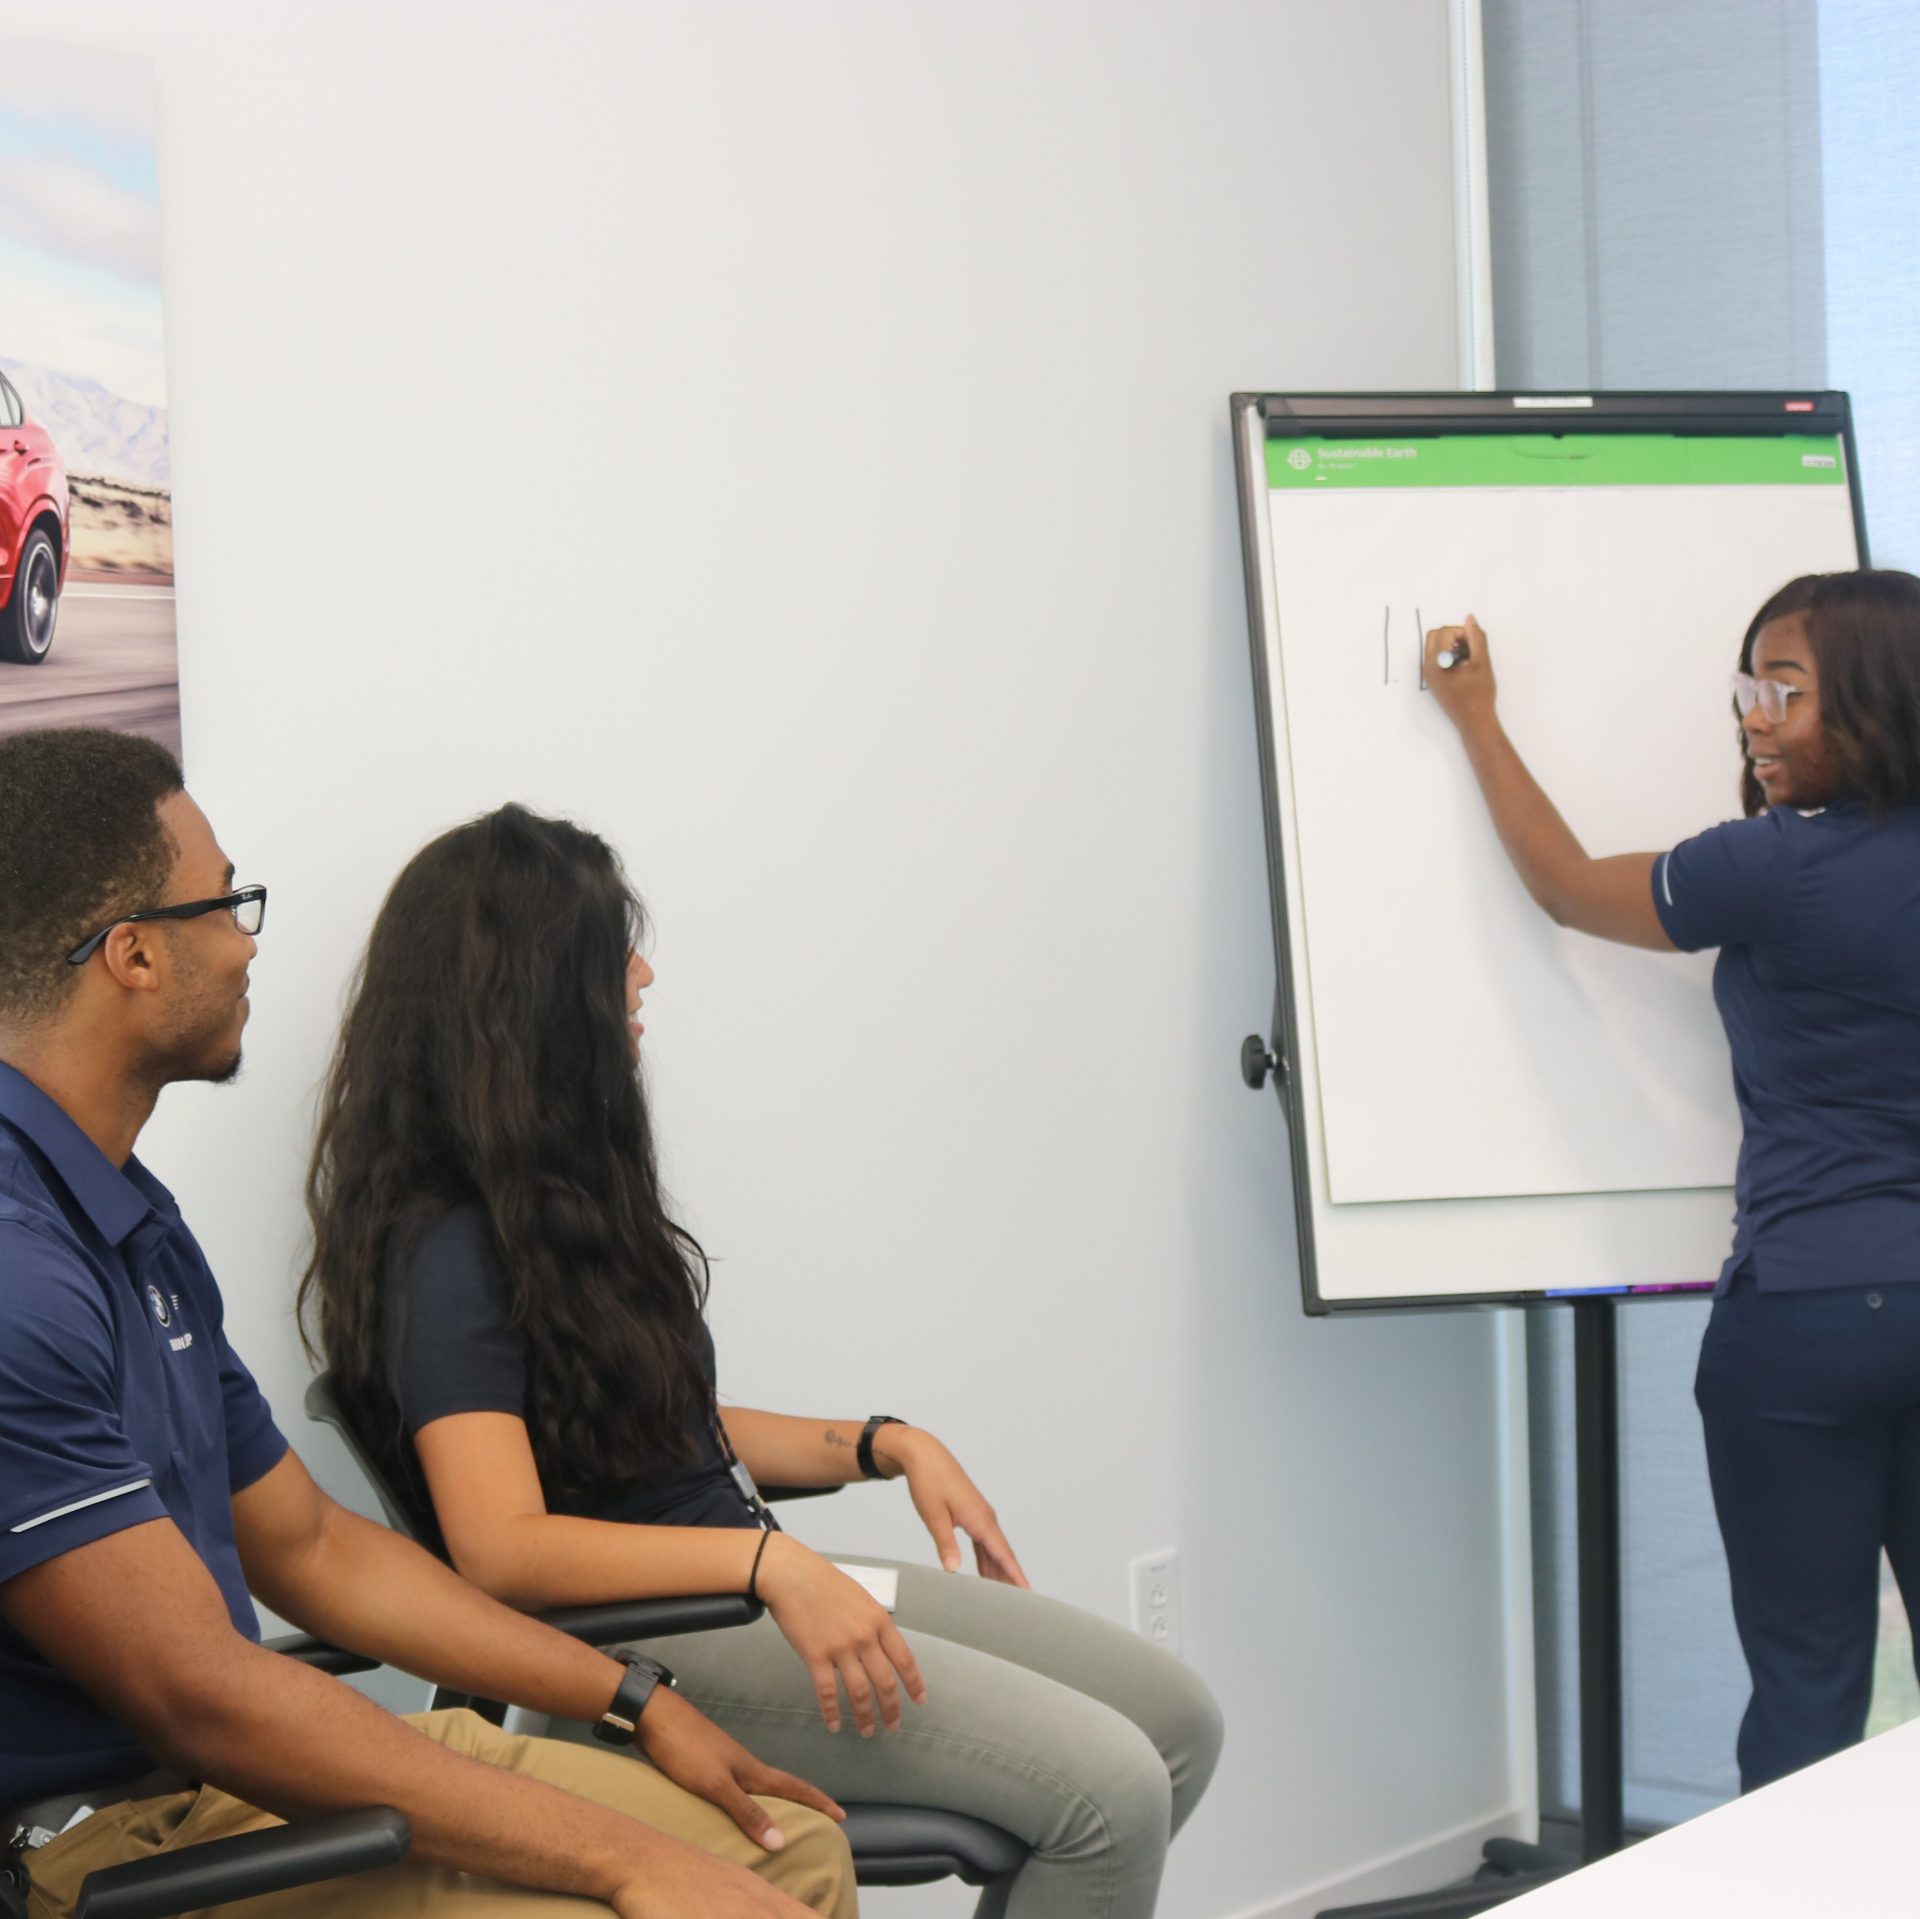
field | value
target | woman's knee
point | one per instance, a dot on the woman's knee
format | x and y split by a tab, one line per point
1176	1709
1199	1731
1120	1792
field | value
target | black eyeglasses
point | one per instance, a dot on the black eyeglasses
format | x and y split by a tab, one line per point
248	906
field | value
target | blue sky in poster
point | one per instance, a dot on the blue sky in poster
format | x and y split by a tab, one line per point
125	160
80	218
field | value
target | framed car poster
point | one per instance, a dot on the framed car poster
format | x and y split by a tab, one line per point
87	634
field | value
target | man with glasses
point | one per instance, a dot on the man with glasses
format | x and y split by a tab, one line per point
145	1491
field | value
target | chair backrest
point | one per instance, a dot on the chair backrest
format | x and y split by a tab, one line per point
403	1513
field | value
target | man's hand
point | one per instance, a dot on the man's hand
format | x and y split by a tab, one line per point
1465	691
693	1752
689	1882
947	1501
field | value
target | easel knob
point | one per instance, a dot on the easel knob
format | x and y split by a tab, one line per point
1257	1060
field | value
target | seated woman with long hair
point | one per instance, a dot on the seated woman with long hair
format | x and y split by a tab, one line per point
514	1324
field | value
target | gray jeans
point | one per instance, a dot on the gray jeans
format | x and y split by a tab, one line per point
1079	1738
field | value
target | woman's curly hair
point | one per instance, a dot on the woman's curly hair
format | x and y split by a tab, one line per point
485	1059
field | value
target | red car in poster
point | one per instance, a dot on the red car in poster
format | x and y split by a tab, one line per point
33	533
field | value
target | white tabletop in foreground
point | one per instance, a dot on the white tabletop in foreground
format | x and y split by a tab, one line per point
1841	1838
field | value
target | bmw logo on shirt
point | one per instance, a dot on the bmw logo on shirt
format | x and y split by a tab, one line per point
164	1314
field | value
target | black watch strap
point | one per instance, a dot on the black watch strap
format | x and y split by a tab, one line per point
863	1453
619	1725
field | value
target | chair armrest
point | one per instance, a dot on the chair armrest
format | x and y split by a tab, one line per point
319	1655
603	1625
915	1845
623	1619
223	1870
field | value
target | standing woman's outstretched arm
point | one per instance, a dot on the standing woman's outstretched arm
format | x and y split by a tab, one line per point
1610	898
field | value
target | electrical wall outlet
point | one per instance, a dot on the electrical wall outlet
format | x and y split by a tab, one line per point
1157	1612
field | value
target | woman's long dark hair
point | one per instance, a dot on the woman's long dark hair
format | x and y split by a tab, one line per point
486	1059
1864	629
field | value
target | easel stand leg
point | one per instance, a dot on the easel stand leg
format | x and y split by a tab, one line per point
1596	1416
1512	1866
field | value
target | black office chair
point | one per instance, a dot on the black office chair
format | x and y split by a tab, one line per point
891	1845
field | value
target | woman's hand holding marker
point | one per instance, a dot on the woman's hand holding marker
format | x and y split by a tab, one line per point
1459	671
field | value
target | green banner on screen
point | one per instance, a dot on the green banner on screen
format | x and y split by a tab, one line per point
1547	459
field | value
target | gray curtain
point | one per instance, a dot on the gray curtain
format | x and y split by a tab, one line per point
1654	188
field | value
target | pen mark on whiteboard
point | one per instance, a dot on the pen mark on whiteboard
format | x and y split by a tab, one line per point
1420	643
1386	648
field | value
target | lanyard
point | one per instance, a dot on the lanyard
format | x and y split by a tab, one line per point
737	1472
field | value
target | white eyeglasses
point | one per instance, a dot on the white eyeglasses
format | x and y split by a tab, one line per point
1770	696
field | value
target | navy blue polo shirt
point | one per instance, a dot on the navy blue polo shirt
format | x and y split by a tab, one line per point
1817	918
120	1402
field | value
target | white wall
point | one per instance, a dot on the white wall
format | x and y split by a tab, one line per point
793	439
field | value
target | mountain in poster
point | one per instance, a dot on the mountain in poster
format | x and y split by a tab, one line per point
99	434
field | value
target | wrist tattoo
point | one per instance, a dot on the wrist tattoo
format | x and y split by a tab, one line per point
836	1439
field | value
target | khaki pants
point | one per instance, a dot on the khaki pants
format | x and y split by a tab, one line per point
814	1868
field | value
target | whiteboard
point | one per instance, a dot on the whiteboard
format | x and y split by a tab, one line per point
1486	1105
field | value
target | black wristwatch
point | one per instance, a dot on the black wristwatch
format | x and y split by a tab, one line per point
863	1453
620	1723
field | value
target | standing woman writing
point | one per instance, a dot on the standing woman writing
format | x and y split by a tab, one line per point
1809	1376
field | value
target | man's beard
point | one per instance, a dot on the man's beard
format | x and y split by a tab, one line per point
221	1075
190	1058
